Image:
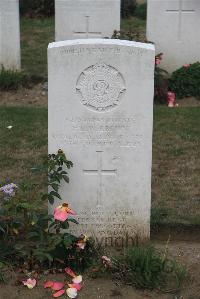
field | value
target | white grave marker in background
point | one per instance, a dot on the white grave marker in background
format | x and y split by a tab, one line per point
101	115
9	34
173	25
76	19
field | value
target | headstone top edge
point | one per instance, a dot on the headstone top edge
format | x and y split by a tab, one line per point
99	41
7	1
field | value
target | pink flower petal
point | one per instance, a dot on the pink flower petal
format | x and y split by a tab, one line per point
60	215
71	292
70	272
105	258
57	286
78	279
48	284
30	283
58	294
77	286
70	211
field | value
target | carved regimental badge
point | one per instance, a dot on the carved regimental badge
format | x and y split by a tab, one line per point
101	87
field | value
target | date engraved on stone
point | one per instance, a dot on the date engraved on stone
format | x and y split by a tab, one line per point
101	87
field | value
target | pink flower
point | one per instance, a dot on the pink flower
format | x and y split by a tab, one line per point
158	61
58	294
158	58
30	283
62	212
171	98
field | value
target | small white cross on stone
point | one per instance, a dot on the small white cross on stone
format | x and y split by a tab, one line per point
87	33
100	172
180	11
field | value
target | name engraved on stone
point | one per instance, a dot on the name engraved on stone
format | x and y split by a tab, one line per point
101	87
99	171
102	131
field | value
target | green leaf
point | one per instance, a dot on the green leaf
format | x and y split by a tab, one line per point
33	234
73	220
51	200
66	178
55	186
63	172
68	241
23	205
42	256
56	194
65	225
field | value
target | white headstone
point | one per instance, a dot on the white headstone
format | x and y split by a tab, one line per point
101	114
173	25
9	34
75	19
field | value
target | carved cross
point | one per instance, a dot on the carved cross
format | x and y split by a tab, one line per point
180	11
87	32
99	171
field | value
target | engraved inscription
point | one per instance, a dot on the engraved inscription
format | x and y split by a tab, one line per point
98	131
101	87
102	50
112	224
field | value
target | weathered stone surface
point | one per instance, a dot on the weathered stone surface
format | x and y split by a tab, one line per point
174	28
9	34
101	114
86	18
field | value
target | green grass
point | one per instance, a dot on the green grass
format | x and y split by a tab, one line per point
146	267
11	80
36	34
176	164
25	144
133	24
176	159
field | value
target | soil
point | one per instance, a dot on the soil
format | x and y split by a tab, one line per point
34	97
187	253
37	97
189	102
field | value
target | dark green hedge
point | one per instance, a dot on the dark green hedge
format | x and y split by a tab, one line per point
141	11
128	7
185	82
37	8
